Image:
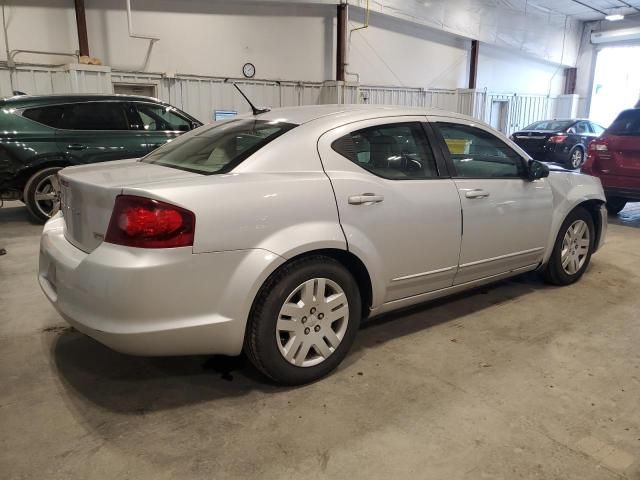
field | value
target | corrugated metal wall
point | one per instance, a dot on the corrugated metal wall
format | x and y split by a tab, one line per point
201	96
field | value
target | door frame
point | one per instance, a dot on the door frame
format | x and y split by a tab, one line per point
346	170
509	259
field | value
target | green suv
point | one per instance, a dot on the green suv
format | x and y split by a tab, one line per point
40	135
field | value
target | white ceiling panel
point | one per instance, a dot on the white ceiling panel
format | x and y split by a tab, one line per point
586	10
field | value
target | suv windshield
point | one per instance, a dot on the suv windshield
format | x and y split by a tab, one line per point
627	123
218	148
550	125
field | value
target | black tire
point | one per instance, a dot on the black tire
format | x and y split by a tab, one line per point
554	273
30	191
615	205
569	162
261	345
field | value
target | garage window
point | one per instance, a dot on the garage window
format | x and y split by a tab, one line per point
398	151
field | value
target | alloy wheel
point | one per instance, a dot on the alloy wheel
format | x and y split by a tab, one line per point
47	195
576	158
312	322
575	247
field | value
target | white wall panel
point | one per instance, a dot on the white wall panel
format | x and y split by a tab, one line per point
201	96
500	70
410	44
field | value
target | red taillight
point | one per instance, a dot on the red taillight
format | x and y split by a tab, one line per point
146	223
598	152
558	138
598	145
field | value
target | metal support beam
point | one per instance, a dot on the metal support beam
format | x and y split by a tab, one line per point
570	75
473	63
341	51
81	21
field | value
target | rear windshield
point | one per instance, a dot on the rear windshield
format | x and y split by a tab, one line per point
218	148
627	123
551	125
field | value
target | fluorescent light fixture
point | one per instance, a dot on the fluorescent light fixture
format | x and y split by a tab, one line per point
615	17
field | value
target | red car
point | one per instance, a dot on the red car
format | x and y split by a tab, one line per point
614	157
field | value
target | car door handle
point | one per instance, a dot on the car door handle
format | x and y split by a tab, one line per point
365	199
476	193
76	146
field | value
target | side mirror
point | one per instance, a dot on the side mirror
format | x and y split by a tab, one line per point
537	170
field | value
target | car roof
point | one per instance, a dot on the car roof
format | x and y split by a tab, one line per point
347	113
22	101
563	120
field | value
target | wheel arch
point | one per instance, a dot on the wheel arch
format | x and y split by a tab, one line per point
347	259
34	167
594	206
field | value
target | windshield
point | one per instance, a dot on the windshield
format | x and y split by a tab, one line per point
627	123
553	125
217	148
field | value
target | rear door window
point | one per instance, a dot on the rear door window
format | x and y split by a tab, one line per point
49	116
218	148
94	116
398	151
626	124
582	128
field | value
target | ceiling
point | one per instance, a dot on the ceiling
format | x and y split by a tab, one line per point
580	9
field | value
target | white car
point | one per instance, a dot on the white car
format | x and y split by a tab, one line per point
277	233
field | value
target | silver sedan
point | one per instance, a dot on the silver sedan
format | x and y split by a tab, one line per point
277	233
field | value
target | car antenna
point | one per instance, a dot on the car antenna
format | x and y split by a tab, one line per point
256	110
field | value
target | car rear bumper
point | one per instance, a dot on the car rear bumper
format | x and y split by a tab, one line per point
153	302
629	194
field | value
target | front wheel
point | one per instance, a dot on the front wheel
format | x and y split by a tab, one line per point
572	250
42	194
304	321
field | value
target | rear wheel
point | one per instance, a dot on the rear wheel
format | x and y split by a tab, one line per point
576	158
615	205
572	250
42	194
304	321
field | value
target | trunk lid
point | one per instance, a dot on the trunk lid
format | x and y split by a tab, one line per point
533	141
88	194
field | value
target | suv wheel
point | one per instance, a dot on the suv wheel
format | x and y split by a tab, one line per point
42	194
304	321
615	205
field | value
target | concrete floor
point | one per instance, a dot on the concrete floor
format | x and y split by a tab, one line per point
519	380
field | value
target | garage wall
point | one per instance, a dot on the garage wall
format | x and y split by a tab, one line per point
502	71
395	52
196	37
284	41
